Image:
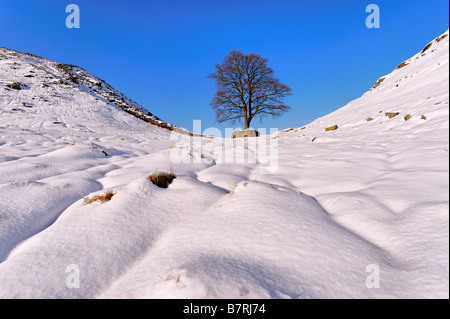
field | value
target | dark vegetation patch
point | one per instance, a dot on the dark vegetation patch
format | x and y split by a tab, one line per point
441	37
15	86
377	83
401	65
162	180
427	47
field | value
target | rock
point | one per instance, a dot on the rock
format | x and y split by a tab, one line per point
423	117
442	37
245	133
369	119
427	47
15	86
331	128
73	79
377	83
391	114
401	65
407	117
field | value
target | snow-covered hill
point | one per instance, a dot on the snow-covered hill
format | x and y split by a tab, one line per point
370	194
56	90
417	88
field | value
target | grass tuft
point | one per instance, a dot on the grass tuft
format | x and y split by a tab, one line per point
106	197
162	180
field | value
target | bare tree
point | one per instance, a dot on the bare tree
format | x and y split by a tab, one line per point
246	88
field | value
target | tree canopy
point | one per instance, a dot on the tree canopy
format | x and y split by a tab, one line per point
246	87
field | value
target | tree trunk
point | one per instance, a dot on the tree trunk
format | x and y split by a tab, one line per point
248	117
247	123
246	120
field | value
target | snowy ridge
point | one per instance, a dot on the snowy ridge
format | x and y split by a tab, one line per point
370	193
417	87
45	79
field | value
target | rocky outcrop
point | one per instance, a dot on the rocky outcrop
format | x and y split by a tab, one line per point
377	83
331	128
245	133
15	86
391	114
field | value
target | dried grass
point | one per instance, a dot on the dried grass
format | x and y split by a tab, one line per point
162	180
106	197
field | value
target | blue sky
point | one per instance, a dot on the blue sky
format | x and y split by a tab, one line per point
159	53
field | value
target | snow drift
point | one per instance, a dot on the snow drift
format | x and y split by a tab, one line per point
373	192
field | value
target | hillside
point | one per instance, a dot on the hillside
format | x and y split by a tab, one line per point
35	85
417	89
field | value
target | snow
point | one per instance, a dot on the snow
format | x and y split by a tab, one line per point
370	193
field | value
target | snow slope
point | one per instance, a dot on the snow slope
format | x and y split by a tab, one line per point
372	192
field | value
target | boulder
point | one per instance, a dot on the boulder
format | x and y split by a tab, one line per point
442	37
391	114
427	47
377	83
74	79
401	65
245	133
15	86
332	128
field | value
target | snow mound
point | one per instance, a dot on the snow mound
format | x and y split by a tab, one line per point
371	194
